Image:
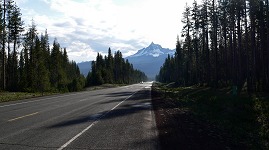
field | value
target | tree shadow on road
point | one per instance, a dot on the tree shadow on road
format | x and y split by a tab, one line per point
136	103
128	118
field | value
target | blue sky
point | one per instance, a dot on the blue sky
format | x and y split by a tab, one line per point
86	27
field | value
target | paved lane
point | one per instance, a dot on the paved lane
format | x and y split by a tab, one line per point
116	118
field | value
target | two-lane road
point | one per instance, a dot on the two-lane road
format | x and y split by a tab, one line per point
115	118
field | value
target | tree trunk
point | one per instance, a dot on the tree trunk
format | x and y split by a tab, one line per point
248	70
3	50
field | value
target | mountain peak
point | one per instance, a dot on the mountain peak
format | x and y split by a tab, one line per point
152	43
153	50
154	46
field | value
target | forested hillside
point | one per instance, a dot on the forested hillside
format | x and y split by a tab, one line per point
114	70
225	44
27	61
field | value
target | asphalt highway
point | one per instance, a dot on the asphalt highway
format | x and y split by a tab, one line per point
114	118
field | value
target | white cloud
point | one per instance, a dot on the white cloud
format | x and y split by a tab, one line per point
20	2
80	51
86	27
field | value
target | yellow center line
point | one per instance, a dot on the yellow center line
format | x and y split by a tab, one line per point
23	117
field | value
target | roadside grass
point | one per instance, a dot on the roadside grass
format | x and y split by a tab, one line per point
14	96
244	118
103	86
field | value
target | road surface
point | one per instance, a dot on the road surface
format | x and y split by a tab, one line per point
115	118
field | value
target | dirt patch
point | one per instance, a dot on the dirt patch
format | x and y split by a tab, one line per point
180	129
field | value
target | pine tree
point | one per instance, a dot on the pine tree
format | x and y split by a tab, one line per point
30	57
42	83
55	67
228	40
45	48
179	60
196	24
105	68
14	25
109	66
2	52
38	69
22	77
187	44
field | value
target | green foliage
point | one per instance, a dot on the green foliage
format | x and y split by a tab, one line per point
262	109
13	96
39	69
244	118
113	70
12	27
224	44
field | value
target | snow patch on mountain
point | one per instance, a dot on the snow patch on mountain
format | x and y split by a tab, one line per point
154	50
150	59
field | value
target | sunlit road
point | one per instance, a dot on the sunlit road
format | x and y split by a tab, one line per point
115	118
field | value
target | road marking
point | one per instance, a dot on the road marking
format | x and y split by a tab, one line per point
23	116
92	124
85	99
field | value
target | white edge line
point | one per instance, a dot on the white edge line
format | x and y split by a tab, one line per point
92	124
75	137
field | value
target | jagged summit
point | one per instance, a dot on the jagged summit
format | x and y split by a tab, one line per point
152	44
154	50
150	59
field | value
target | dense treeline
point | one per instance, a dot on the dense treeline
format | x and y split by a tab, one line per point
28	63
225	44
114	70
38	68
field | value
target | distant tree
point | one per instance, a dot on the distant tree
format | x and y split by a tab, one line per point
179	60
44	39
109	66
115	69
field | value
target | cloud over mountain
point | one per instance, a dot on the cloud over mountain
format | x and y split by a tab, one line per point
97	25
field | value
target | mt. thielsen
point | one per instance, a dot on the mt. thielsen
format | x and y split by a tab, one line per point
148	60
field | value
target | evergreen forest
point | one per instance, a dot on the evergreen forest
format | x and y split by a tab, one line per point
224	44
113	70
29	63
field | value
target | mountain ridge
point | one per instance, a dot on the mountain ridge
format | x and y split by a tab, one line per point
148	60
